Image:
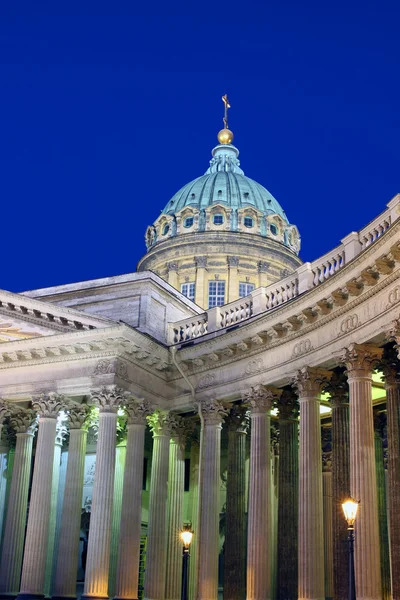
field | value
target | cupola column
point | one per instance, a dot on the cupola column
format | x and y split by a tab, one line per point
233	279
37	534
213	414
200	291
259	527
131	512
308	382
98	556
156	558
68	549
288	495
24	424
360	361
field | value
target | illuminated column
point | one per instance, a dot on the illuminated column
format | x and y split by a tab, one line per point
68	548
98	556
176	489
360	361
156	556
391	370
24	424
339	391
213	415
311	518
288	495
61	431
201	293
233	281
235	537
194	487
328	541
259	527
131	512
120	461
37	534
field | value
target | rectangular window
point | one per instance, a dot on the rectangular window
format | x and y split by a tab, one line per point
216	293
245	289
187	290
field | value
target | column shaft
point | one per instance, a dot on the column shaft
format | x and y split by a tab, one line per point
194	489
131	515
53	517
328	539
176	487
13	546
68	549
98	556
120	460
382	511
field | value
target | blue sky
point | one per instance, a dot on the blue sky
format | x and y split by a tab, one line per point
108	108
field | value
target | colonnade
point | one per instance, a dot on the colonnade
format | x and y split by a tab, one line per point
301	547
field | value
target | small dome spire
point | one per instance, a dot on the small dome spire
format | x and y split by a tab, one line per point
225	136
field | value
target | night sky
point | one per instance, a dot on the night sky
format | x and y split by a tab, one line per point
106	110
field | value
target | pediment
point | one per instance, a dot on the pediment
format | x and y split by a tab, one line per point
14	329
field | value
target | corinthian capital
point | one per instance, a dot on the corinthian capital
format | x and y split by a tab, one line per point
309	381
48	405
288	406
260	398
390	365
338	388
77	415
160	423
238	419
213	412
137	411
361	359
5	410
108	399
24	421
181	428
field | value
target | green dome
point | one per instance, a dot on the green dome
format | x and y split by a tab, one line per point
225	182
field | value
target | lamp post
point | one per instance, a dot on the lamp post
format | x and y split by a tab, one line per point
350	512
186	537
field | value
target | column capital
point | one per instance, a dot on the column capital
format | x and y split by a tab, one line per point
48	405
233	261
160	423
24	421
108	399
288	406
309	381
391	367
260	398
393	333
338	388
201	261
181	428
77	415
361	359
5	410
137	411
238	419
213	412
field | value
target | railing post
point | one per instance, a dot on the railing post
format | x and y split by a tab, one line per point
352	246
171	333
214	319
259	300
306	277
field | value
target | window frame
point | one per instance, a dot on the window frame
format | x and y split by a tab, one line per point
250	219
246	285
188	285
222	219
219	295
187	219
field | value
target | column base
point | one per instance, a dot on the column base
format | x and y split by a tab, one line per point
63	597
126	597
28	596
6	596
94	597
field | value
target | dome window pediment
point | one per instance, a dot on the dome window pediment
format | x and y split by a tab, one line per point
188	222
248	222
218	219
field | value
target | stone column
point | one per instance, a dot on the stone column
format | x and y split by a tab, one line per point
156	557
259	523
176	489
235	536
213	414
24	423
339	392
233	284
201	289
274	506
194	491
68	548
37	534
311	518
61	432
360	361
328	541
288	496
391	371
120	459
98	556
131	512
380	426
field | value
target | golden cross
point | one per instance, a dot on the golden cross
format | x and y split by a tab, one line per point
227	105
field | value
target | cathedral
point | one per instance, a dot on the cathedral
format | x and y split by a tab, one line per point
226	387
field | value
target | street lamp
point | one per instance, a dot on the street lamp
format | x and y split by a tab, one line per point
186	537
350	512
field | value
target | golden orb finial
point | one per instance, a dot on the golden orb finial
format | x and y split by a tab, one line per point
225	136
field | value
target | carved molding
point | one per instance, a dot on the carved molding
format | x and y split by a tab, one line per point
260	398
213	412
24	421
48	405
238	419
309	382
77	415
288	406
160	423
361	359
137	411
108	399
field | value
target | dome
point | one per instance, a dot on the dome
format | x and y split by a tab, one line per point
224	199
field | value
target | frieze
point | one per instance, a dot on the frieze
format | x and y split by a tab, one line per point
302	347
393	297
349	323
104	367
206	381
254	366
